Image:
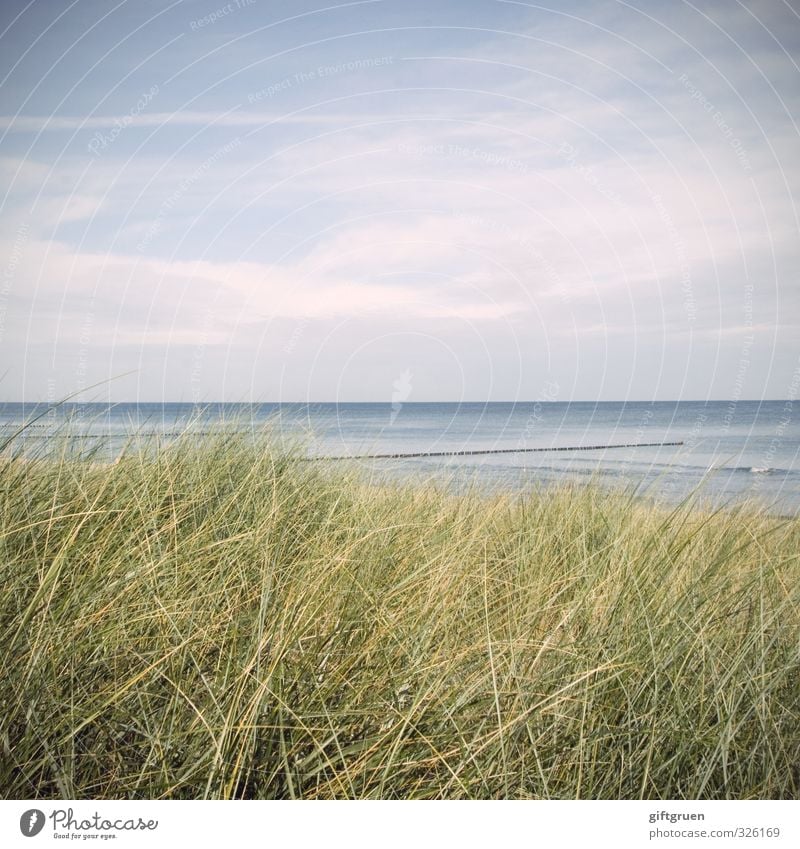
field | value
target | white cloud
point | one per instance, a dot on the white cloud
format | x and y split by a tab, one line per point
558	180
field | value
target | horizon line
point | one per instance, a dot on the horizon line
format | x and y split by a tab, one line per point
55	404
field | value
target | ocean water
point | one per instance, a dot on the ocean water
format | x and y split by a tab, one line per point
731	450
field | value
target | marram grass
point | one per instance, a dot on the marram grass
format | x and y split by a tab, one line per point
222	620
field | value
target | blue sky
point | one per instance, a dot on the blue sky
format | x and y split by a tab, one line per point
293	201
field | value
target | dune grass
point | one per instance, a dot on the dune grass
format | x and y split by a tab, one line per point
222	620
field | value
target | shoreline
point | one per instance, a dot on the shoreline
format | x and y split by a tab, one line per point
749	457
470	481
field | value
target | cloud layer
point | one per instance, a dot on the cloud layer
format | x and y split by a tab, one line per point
492	195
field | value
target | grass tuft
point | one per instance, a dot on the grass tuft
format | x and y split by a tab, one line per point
218	619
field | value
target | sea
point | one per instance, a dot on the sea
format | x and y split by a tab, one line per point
729	451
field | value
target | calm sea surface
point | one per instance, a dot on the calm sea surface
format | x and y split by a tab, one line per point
731	451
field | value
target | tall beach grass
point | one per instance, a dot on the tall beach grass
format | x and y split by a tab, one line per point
219	619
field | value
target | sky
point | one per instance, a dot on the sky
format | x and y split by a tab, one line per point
479	200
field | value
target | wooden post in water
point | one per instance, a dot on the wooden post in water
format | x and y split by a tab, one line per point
494	451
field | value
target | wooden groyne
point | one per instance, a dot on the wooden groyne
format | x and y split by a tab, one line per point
473	453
